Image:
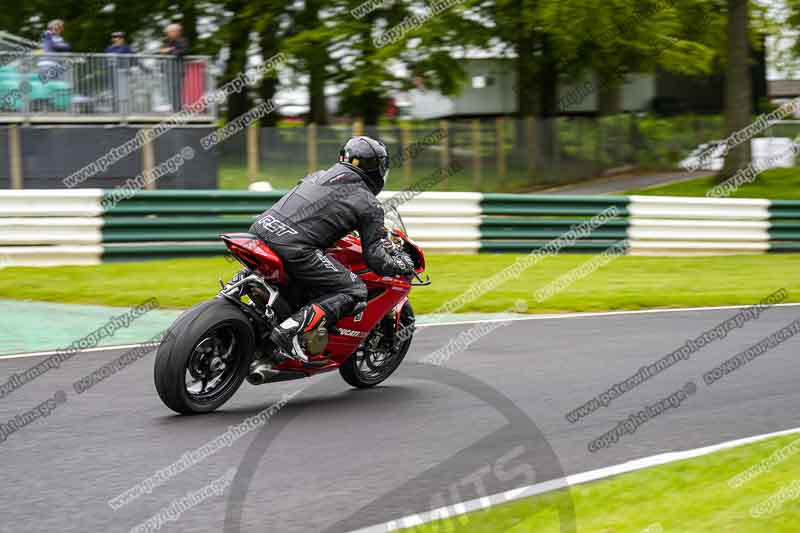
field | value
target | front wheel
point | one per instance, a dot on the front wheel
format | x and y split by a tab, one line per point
204	358
379	356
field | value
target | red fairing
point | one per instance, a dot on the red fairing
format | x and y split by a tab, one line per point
347	251
257	254
387	294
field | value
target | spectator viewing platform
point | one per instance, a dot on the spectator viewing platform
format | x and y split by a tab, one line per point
38	87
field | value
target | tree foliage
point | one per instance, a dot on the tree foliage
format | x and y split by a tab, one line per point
334	48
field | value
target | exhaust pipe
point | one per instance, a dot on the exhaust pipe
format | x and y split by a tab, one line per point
261	373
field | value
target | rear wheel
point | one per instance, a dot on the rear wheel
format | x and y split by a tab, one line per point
379	356
204	360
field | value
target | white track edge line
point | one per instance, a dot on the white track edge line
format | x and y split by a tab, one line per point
557	316
559	483
87	350
554	316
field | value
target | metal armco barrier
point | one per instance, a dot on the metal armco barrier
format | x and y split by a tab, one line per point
48	227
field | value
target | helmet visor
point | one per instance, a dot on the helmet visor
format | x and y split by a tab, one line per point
384	164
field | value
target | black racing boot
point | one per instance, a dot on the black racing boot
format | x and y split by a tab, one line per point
286	335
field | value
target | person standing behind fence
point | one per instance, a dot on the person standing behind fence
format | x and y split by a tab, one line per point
118	44
175	45
52	42
120	68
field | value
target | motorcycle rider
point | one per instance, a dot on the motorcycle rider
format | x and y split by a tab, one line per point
321	209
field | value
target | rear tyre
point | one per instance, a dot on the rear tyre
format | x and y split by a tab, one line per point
374	361
205	357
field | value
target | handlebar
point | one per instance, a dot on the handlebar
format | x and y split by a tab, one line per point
422	283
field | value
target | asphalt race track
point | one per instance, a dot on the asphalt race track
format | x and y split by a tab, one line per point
339	459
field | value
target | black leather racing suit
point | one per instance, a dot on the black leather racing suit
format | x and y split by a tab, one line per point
322	208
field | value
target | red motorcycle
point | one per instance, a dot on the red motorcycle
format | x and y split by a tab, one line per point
210	349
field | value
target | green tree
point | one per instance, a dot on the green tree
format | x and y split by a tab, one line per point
308	41
364	55
562	41
738	90
268	27
235	33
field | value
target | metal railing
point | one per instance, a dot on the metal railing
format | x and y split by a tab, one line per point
67	87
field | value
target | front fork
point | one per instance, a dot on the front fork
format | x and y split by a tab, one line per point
402	332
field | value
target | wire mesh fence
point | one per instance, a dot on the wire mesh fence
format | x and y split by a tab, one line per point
489	155
497	154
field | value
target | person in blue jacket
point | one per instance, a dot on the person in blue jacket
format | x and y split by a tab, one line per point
118	44
53	39
52	42
120	80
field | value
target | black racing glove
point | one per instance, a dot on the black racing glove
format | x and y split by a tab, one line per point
403	263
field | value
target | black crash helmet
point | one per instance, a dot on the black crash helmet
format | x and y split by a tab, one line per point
369	156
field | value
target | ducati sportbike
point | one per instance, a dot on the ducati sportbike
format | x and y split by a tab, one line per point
213	347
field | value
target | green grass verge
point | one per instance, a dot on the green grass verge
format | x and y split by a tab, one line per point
774	184
691	496
285	176
629	282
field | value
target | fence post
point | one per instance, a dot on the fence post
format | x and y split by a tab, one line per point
252	153
530	134
405	130
444	155
358	127
598	145
311	146
633	138
15	153
148	159
555	156
500	139
476	154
